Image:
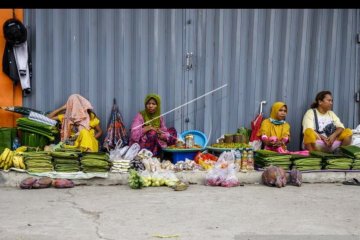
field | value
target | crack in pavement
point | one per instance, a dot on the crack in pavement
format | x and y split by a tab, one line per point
93	214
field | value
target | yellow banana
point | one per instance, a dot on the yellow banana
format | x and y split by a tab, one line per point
16	161
21	162
2	163
9	160
21	149
5	154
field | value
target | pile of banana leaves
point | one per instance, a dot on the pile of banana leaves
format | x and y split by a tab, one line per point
66	161
38	162
265	158
354	152
333	161
95	162
305	163
28	125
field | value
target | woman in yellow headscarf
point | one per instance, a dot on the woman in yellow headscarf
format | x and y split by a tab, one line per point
275	131
148	127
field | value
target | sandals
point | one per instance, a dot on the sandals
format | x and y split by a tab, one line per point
353	181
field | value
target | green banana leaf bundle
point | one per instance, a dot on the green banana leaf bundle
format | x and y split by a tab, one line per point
356	165
94	169
66	161
307	168
339	163
96	155
71	150
40	170
94	163
324	155
26	122
351	150
308	163
68	154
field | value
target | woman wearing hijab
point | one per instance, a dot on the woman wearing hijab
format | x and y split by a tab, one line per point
275	131
322	128
79	123
148	127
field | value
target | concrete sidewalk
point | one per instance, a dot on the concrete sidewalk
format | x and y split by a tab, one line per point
13	179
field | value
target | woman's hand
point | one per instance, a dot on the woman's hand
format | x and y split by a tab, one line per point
325	140
272	143
332	139
147	128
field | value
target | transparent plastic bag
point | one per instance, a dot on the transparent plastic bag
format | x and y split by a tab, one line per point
144	153
167	165
230	180
256	144
116	153
228	156
170	178
132	151
146	162
157	179
146	177
215	177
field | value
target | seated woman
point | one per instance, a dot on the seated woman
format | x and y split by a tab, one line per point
275	131
78	123
148	127
322	129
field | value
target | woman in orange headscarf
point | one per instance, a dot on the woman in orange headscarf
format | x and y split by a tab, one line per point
275	131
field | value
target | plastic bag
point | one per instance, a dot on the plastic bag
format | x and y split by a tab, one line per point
230	180
157	179
154	164
170	178
215	177
206	164
146	163
205	156
167	165
123	150
228	156
116	153
132	151
146	177
256	144
144	153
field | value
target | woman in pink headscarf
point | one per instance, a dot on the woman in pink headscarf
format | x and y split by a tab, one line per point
79	123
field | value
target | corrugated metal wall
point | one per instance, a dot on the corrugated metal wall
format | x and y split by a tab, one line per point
261	54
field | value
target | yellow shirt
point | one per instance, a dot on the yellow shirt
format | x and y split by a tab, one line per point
269	129
94	121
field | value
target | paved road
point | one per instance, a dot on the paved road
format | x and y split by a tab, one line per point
313	211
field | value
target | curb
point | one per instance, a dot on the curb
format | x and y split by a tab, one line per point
13	179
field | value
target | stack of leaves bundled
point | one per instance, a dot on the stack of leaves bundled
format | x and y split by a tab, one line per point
305	163
28	125
66	161
334	161
38	162
120	166
353	152
265	158
95	162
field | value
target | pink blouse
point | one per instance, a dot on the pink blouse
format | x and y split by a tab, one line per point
137	135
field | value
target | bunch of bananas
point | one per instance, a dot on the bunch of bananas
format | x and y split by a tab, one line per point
10	158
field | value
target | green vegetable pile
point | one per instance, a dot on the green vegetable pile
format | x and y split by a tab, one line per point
135	180
231	145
